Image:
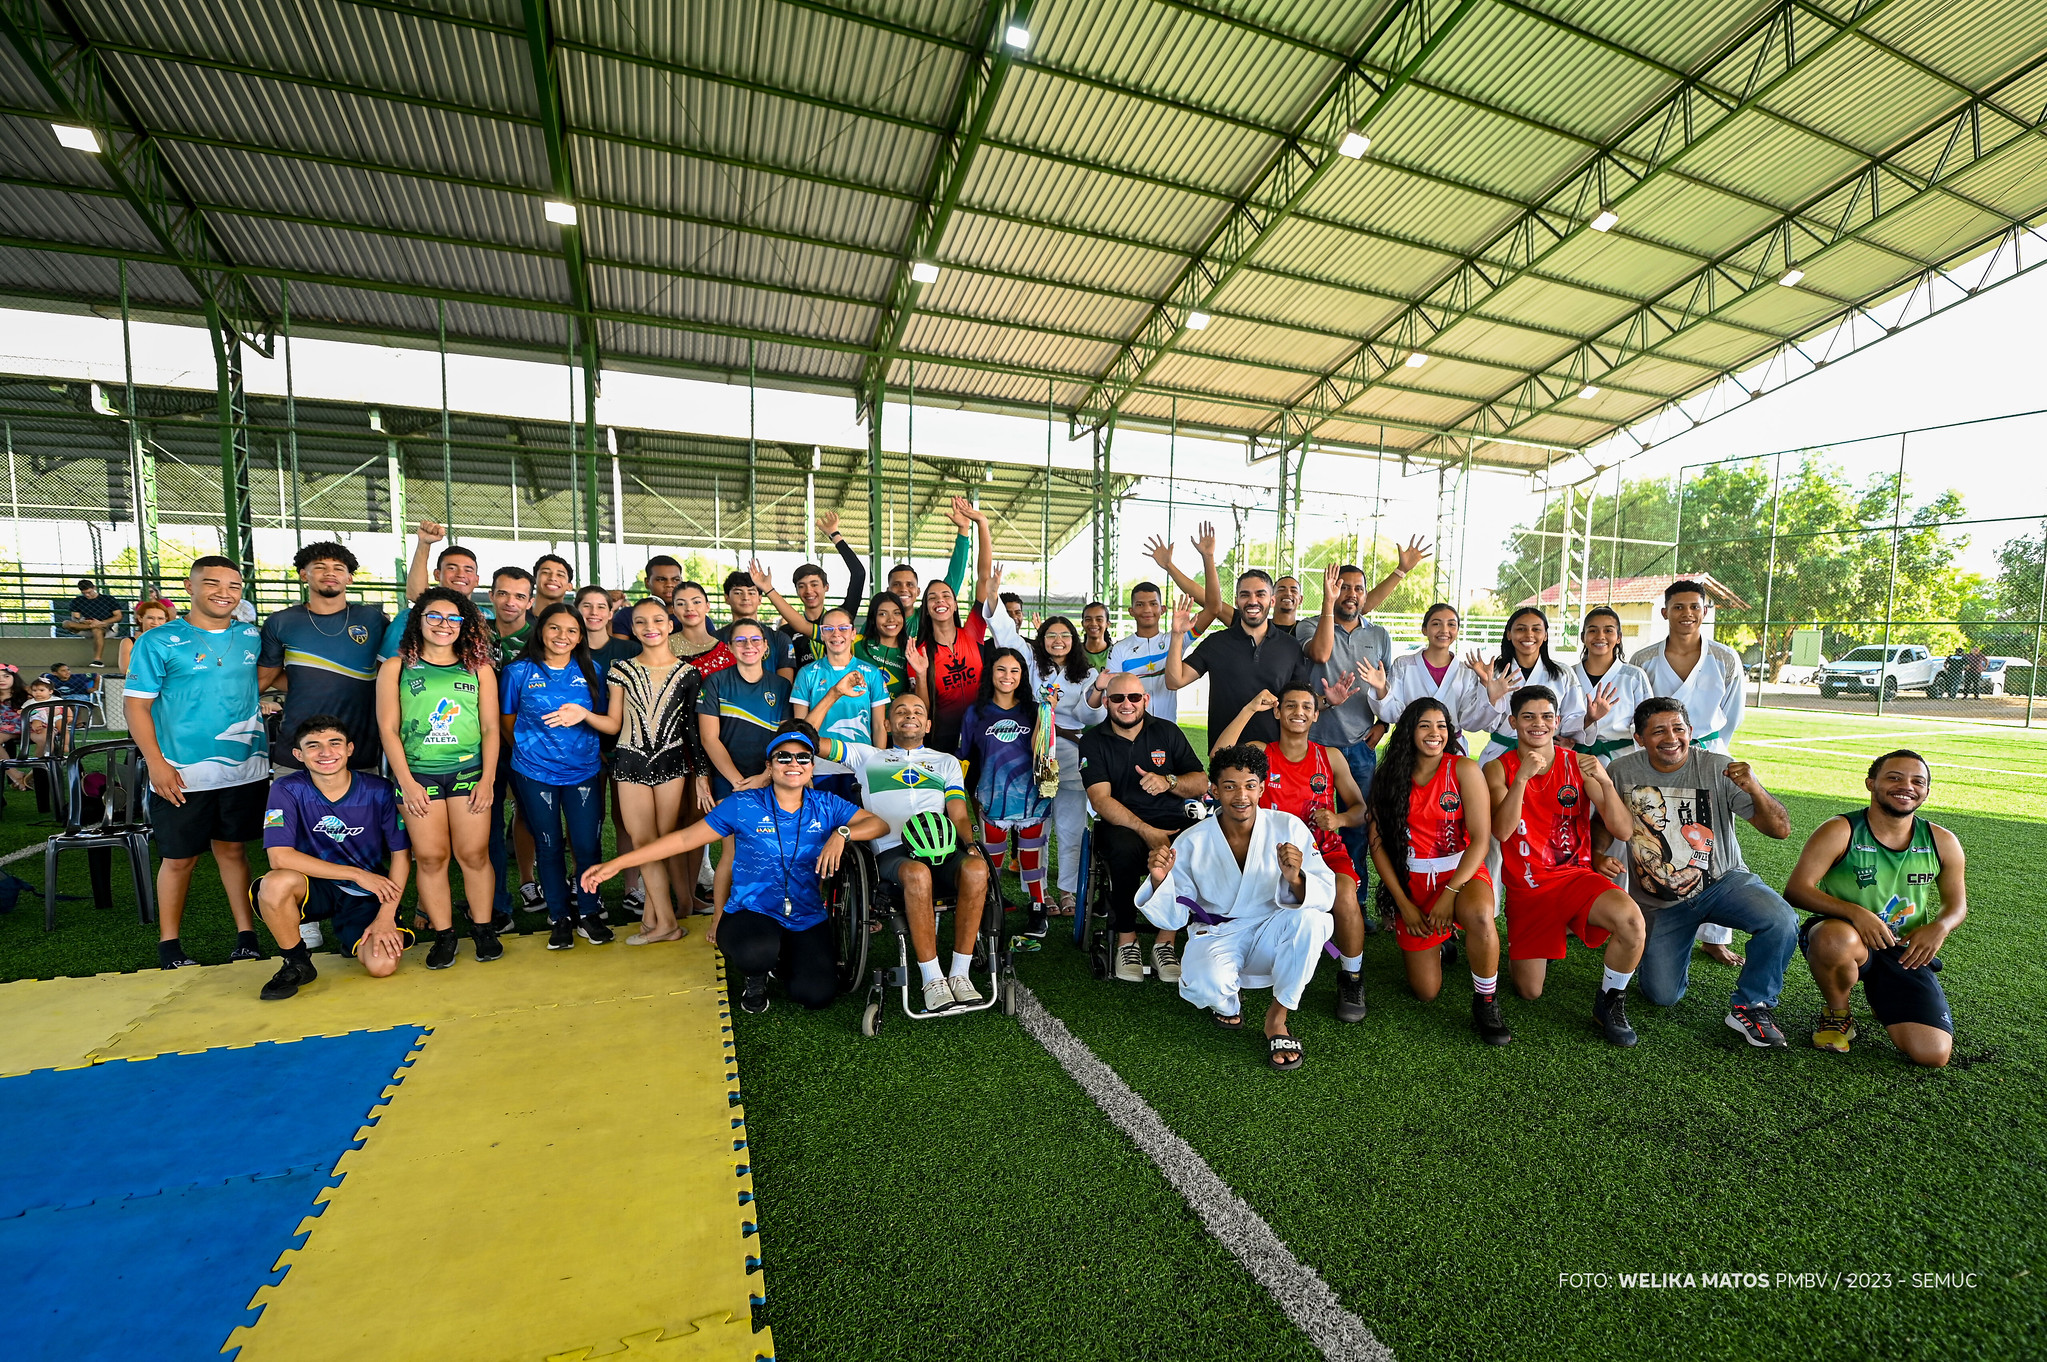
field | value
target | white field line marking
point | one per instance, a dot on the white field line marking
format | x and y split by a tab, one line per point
1949	765
1307	1300
1850	737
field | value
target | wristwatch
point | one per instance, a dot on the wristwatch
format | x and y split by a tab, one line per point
844	831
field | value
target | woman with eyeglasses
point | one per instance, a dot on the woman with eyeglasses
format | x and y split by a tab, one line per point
659	764
841	697
1069	695
435	700
884	641
996	748
738	711
788	839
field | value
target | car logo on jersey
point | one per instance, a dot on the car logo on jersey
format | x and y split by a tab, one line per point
1568	796
334	828
1449	803
445	713
358	634
1158	756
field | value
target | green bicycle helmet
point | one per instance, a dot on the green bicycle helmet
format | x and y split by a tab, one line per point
930	837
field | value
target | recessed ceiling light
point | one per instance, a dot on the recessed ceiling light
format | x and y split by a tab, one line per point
1416	360
1198	321
1606	220
924	272
557	211
1791	278
1589	390
77	138
1354	144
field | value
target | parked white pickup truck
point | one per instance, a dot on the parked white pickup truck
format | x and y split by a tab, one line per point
1872	668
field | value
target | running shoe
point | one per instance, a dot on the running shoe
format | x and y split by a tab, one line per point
1610	1010
1130	964
1037	924
1756	1026
441	954
754	998
1487	1020
937	995
636	900
175	960
1834	1032
561	934
244	953
502	922
1165	962
288	980
530	897
309	933
1350	995
488	947
594	931
964	994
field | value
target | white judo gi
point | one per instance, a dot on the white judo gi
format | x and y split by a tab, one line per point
1245	930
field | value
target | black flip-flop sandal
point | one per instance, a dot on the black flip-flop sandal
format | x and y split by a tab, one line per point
1233	1022
1275	1046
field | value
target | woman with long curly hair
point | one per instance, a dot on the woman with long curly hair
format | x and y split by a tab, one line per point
1431	818
437	704
1069	695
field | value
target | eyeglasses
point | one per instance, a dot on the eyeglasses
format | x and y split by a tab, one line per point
749	643
835	629
1130	699
440	619
791	758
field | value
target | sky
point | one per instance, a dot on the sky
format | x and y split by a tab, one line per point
1981	359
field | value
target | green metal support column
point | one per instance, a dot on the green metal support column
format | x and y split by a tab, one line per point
141	460
233	416
592	533
394	476
1104	515
876	397
753	471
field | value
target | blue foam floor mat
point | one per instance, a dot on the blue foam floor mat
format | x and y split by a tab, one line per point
126	1129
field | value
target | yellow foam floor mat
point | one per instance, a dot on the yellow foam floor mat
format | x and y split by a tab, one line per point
561	1175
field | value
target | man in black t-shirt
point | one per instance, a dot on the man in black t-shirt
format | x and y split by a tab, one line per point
94	614
1145	784
1250	655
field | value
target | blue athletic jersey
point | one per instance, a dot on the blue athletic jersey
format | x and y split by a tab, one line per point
774	869
748	714
360	829
997	744
553	756
330	667
204	685
851	718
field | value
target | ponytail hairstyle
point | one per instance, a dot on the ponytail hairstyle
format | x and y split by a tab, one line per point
1620	652
535	650
1386	801
1507	641
473	647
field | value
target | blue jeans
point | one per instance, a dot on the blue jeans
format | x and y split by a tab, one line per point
1363	759
546	808
500	847
1739	900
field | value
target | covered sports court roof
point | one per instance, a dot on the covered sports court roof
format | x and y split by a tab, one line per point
1569	213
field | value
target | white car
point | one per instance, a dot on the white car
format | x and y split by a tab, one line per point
1872	668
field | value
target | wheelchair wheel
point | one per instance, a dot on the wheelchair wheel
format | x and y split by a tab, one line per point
851	900
870	1020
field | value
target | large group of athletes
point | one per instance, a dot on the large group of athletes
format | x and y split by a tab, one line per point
925	722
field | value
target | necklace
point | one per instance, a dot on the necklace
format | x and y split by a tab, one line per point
343	612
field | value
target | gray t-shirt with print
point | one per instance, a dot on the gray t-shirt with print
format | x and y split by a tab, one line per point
1684	836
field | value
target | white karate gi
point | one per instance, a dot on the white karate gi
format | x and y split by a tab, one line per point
1263	939
1713	699
1408	680
1619	724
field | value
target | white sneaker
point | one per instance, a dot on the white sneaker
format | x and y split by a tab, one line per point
1165	962
309	934
963	991
1130	964
937	995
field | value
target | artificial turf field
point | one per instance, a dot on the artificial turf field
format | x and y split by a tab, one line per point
947	1189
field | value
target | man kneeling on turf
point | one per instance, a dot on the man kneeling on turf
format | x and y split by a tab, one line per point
1258	894
337	850
922	795
1869	877
1542	817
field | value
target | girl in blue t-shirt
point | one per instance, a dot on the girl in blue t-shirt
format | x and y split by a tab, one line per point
995	746
553	702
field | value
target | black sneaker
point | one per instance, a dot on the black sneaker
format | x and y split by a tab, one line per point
239	953
562	934
441	954
593	930
288	980
488	947
1757	1027
502	922
1037	924
1449	952
176	960
1610	1010
1350	995
754	998
530	897
1487	1020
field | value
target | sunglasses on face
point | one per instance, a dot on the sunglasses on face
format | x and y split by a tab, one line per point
1130	699
791	758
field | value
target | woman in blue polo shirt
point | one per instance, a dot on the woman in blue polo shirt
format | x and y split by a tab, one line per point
787	838
553	703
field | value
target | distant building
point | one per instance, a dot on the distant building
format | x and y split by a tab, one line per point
1637	600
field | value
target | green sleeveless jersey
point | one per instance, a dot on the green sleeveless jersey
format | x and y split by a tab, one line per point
1901	887
440	719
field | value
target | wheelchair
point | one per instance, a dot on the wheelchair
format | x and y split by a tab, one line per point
861	905
1094	923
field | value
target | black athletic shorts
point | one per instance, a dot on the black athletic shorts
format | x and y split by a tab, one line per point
233	814
944	878
326	900
450	784
1897	995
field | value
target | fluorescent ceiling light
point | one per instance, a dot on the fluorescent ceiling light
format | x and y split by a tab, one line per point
1606	220
1416	360
1198	321
76	138
1588	391
1017	37
563	213
924	272
1791	278
1354	144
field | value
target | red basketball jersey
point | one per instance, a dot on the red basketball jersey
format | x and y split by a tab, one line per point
1556	821
1435	815
1301	787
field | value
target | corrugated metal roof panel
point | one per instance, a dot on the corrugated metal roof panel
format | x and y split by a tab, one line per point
2010	181
1003	181
1472	145
1235	338
727	355
636	239
1681	36
1517	63
734	305
969	385
1057	257
1333	253
1379	195
1203	374
1617	261
1455	378
1034	304
395	260
1541	303
1396	405
1715	344
1502	343
1852	270
89	277
1973	41
1257	293
43	214
1769	159
1831	91
986	343
29	149
1661	374
1690	216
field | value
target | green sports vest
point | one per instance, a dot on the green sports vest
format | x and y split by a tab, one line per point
440	720
1901	887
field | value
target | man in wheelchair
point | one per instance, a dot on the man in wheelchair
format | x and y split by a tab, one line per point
928	851
787	840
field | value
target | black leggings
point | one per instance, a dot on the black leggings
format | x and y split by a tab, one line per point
755	943
1129	861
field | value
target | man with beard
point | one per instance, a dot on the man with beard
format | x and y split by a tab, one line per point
1248	656
455	569
1885	887
324	654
